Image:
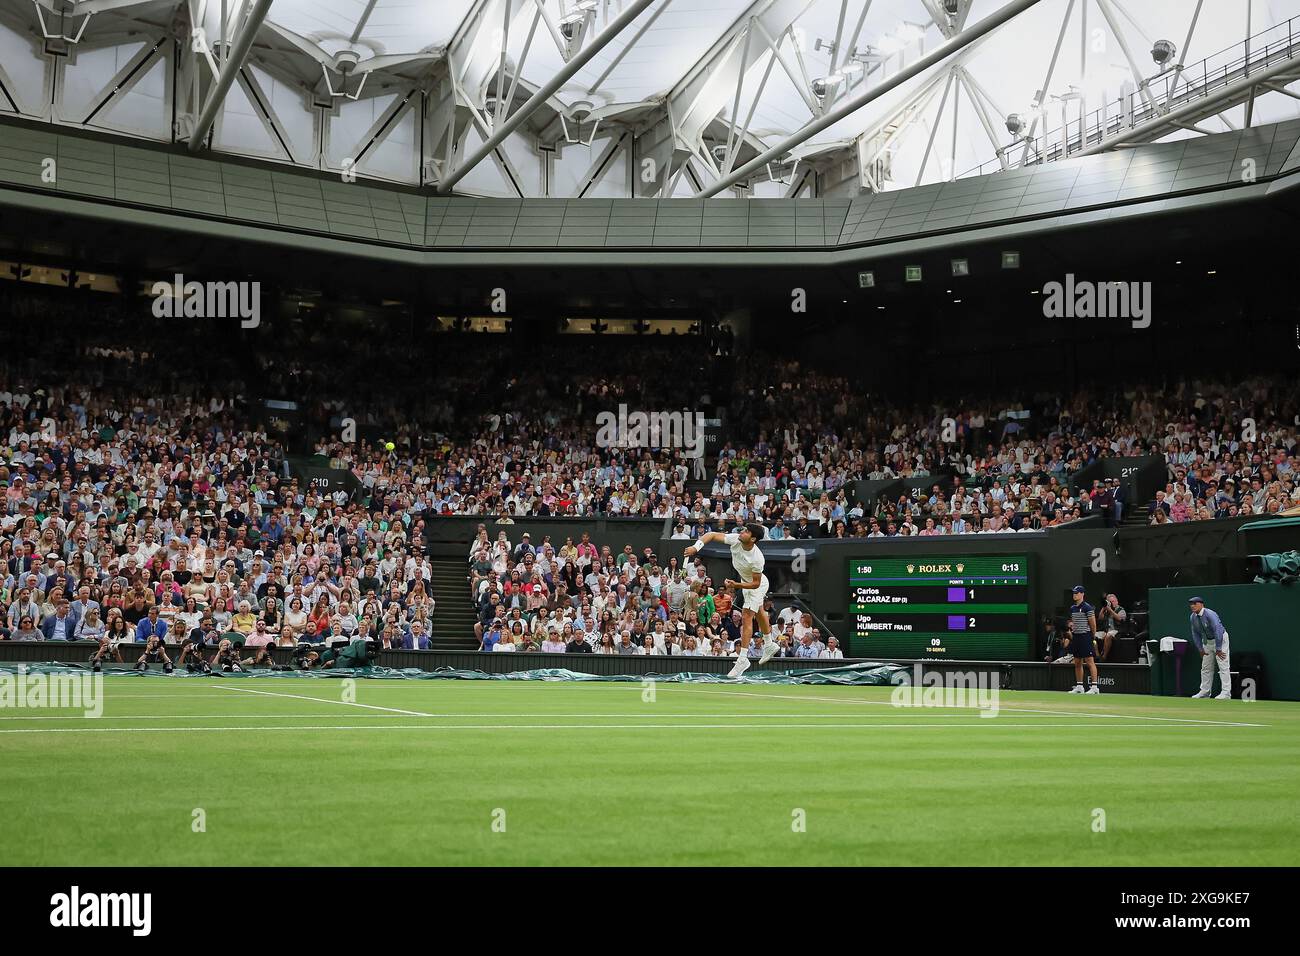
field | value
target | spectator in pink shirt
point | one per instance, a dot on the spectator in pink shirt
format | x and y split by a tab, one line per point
260	637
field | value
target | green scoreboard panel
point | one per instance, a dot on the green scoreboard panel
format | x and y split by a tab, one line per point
971	607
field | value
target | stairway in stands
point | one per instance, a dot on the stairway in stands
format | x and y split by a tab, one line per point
704	486
453	614
1135	517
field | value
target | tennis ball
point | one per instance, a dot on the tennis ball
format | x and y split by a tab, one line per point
389	446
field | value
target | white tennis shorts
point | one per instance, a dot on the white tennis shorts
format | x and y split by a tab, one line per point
754	597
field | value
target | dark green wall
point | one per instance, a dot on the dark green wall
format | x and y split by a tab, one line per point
1137	560
1260	619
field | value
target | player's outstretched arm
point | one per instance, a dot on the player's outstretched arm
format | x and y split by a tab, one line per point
704	539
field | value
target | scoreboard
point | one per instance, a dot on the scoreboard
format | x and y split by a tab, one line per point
964	607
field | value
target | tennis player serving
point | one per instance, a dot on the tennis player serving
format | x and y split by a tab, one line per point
747	559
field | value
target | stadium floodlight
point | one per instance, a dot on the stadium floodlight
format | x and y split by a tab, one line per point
824	84
866	280
345	61
1162	52
1011	260
579	113
961	267
573	28
1015	124
912	274
67	9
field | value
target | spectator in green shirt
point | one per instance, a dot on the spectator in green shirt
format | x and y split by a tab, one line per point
706	607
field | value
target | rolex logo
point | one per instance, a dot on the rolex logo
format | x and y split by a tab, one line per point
911	568
961	567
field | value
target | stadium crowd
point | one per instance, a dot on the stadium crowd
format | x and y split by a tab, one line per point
581	598
527	446
142	482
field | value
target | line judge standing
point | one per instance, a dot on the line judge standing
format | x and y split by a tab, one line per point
1206	626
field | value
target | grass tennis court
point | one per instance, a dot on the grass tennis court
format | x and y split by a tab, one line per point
287	773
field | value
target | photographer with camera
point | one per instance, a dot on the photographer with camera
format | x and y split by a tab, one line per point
154	653
226	659
192	645
191	657
1054	637
1110	619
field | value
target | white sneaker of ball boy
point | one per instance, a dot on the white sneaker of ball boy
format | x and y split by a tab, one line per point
747	559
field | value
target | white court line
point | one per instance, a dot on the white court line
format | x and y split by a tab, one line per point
975	722
1181	720
112	717
1021	710
326	700
472	716
167	696
835	700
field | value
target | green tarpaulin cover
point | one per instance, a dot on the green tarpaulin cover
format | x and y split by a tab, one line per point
866	673
1280	568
